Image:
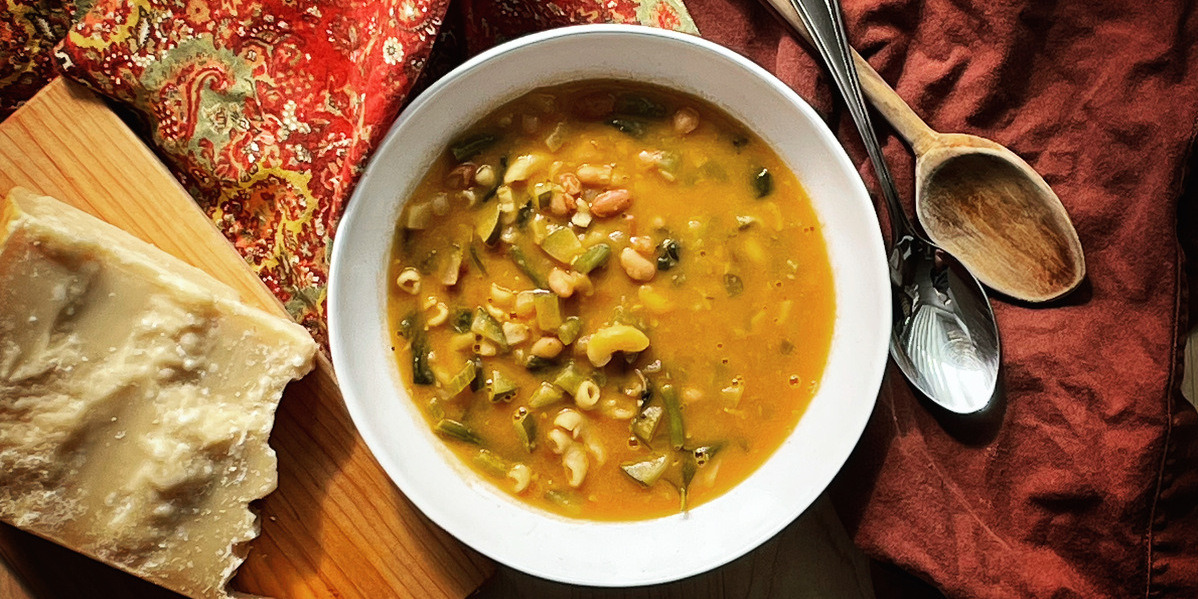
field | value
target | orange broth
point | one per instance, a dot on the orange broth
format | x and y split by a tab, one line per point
737	312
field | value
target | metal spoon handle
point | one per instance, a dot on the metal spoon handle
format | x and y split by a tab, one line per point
825	23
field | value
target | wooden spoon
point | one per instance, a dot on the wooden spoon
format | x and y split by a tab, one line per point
978	200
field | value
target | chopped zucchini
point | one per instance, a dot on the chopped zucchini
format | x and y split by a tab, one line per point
486	223
460	381
486	325
631	127
570	330
500	388
647	471
545	395
549	310
526	429
570	379
562	244
644	425
462	317
668	254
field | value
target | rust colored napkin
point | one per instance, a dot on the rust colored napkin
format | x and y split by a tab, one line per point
1082	482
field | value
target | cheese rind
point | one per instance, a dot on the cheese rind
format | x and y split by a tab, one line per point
137	395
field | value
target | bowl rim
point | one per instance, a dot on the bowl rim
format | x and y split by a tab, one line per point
341	337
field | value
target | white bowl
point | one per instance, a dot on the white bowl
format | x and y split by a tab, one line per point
532	540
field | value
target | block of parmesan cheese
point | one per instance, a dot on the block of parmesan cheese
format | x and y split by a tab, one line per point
136	397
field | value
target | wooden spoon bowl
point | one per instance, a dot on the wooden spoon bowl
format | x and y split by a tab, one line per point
983	204
978	200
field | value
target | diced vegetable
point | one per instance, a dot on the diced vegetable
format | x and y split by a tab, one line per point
646	471
491	463
526	429
570	330
733	285
521	259
570	379
549	310
467	147
562	244
644	426
633	104
763	183
500	387
627	126
594	257
486	223
485	325
460	381
461	320
545	395
412	329
456	430
476	260
538	364
477	383
524	214
668	254
452	266
419	216
669	399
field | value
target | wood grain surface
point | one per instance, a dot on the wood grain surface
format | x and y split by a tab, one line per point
336	526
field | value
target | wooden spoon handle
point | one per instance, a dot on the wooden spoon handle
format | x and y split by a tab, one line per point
880	94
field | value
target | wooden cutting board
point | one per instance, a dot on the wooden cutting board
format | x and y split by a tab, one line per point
336	526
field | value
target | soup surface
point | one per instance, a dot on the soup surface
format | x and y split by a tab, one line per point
611	300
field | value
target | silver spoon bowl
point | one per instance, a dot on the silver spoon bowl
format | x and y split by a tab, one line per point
944	337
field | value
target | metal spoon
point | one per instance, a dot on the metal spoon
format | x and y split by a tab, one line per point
979	200
944	336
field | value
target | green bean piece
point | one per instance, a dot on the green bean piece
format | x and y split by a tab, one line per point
412	329
549	310
647	471
562	244
457	431
644	425
469	146
763	182
633	104
491	463
566	500
476	260
594	257
668	254
460	381
526	429
545	395
630	127
486	224
669	399
521	259
500	388
570	379
733	285
486	325
570	330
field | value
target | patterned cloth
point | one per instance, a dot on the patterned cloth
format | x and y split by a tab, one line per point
268	111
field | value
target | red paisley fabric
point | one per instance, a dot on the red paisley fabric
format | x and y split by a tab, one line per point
1082	483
